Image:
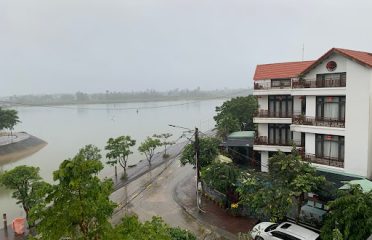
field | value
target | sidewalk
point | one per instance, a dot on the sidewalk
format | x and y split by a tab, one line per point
214	217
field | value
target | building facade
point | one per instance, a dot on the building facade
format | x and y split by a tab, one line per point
322	107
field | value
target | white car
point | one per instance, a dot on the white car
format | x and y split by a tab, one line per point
283	231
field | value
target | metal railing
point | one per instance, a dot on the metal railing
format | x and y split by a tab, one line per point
265	86
272	114
263	140
323	160
318	121
319	83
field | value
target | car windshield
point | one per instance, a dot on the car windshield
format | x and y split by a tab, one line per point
271	227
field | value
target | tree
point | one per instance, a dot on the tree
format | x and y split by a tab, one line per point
119	151
266	199
28	187
350	214
148	148
91	152
208	152
288	180
78	206
164	141
8	119
298	176
156	229
239	110
227	125
221	176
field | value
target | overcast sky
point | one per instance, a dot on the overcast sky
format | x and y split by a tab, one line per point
56	46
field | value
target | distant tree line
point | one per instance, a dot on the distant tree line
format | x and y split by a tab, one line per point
122	97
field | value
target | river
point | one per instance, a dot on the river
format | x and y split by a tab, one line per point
68	128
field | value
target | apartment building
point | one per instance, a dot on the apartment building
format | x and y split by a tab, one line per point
323	107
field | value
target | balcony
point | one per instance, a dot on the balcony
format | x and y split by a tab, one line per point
328	161
269	85
271	114
318	121
263	140
319	83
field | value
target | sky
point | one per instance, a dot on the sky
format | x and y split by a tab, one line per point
65	46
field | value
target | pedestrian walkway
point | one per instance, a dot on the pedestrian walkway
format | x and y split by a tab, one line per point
6	139
214	216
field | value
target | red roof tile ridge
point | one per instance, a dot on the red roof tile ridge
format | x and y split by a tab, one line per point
306	61
351	50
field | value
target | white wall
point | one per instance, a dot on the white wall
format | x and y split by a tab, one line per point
262	129
357	122
310	106
263	102
321	68
310	143
264	161
358	130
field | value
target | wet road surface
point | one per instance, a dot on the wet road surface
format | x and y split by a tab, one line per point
153	194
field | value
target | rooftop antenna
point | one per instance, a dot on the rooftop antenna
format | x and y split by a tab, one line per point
303	51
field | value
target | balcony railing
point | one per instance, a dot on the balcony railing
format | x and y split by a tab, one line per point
263	140
318	121
328	161
266	85
319	83
272	114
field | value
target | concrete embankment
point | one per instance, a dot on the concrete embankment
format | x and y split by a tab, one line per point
19	149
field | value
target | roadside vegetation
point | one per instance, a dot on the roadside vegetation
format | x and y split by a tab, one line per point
236	115
78	203
8	119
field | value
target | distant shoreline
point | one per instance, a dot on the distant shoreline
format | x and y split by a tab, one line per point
117	98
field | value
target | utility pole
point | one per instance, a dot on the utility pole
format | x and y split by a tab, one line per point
197	153
197	158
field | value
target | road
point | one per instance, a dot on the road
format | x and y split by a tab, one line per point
153	194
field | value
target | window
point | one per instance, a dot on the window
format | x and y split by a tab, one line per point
331	107
279	134
331	80
330	146
281	83
280	105
284	236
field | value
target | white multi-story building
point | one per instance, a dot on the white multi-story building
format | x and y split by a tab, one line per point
324	107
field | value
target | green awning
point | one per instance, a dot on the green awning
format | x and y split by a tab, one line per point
365	184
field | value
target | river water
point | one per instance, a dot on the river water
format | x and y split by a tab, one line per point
68	128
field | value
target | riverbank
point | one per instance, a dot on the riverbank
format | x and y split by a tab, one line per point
120	97
18	146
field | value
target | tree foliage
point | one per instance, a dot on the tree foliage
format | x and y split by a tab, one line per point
287	182
119	150
148	148
8	119
78	206
350	214
164	141
28	187
131	228
208	152
239	110
221	176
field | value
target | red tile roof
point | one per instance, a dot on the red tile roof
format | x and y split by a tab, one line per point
280	70
364	58
293	69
